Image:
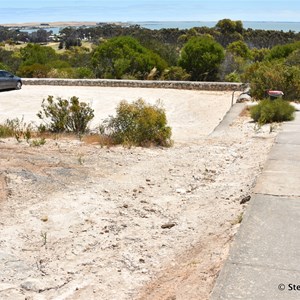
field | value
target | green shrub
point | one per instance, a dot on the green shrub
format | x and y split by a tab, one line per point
71	72
38	142
4	66
175	73
65	116
268	111
16	128
6	131
273	75
34	71
282	51
233	77
139	124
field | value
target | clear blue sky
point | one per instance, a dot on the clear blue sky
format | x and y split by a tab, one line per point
146	10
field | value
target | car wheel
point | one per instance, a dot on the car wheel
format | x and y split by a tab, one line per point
18	85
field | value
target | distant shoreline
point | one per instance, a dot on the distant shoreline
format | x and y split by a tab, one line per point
56	24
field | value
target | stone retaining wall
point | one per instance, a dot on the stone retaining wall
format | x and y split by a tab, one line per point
184	85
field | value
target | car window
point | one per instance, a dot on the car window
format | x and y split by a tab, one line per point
6	74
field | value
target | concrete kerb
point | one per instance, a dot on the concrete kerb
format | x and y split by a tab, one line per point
230	116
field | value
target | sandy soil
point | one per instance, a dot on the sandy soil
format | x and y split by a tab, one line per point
79	221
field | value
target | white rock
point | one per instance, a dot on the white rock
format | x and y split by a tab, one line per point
181	191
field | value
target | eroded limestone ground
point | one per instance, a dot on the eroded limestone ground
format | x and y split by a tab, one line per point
78	221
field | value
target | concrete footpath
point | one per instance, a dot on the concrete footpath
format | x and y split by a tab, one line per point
264	261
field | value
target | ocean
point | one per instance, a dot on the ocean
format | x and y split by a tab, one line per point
160	13
284	26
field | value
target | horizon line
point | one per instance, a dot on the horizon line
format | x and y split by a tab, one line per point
146	21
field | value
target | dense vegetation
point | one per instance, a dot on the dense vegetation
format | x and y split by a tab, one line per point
125	57
228	52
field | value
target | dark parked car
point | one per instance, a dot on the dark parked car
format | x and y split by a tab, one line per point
9	81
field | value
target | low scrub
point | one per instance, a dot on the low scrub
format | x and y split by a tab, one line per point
138	124
65	116
38	142
6	131
16	128
268	111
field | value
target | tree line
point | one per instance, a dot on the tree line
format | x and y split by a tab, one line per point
227	52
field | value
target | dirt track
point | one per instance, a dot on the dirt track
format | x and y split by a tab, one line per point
83	222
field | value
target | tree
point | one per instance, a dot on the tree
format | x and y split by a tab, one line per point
239	48
282	51
275	75
259	54
35	60
237	57
201	57
37	54
9	60
228	31
123	57
279	70
227	26
40	36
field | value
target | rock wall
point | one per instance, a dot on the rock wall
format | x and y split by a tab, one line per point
184	85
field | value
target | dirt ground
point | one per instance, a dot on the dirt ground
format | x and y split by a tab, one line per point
81	221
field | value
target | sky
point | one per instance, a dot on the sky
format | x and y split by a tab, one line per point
146	10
